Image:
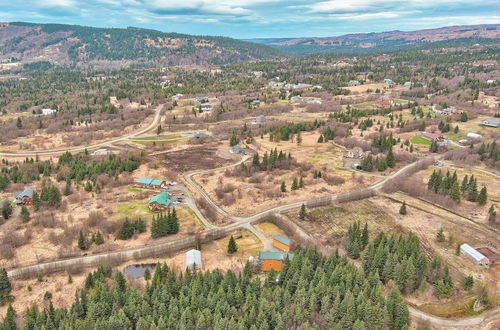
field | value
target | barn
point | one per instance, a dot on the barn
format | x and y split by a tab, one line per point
160	202
283	243
273	260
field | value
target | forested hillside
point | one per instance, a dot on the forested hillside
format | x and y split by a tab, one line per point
70	45
310	291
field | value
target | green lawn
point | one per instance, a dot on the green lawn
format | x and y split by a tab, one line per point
418	139
156	137
364	104
135	208
454	137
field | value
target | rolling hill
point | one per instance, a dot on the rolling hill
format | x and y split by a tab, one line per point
385	40
45	45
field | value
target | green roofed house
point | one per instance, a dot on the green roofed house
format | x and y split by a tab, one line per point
160	202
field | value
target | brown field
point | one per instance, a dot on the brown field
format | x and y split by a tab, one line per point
262	190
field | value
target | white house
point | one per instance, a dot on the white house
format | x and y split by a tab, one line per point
193	259
474	255
48	111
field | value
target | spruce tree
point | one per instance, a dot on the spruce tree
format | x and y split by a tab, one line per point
295	184
231	246
5	287
402	209
25	213
472	190
455	192
390	160
36	202
82	241
302	212
283	186
483	196
9	323
492	214
440	235
465	184
301	182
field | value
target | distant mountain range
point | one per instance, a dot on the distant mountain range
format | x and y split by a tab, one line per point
381	41
42	45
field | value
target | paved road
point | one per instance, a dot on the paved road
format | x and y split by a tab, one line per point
153	124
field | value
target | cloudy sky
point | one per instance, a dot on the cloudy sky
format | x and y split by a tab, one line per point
256	18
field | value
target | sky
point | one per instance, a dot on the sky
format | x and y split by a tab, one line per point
257	18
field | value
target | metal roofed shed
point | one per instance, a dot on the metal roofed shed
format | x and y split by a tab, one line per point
193	259
475	255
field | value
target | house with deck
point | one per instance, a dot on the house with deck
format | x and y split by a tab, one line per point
273	260
160	202
24	197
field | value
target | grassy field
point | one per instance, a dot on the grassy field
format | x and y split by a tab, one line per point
364	104
14	116
157	137
160	142
134	209
417	139
456	308
455	137
269	229
247	243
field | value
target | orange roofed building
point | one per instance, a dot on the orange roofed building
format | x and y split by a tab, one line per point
283	243
273	260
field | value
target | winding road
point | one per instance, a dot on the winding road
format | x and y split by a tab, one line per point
242	222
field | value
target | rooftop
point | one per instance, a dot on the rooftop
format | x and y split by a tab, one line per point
270	255
472	252
162	198
283	239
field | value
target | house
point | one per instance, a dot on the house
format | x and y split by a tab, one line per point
261	119
150	183
283	243
474	135
408	84
435	137
450	111
203	107
491	122
384	102
24	197
300	99
255	103
193	259
355	152
388	81
238	149
160	202
353	83
48	112
200	135
202	99
474	255
273	260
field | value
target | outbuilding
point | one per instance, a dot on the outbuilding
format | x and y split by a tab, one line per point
283	243
474	255
193	259
474	135
491	122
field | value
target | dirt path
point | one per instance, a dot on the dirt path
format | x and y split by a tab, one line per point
461	323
